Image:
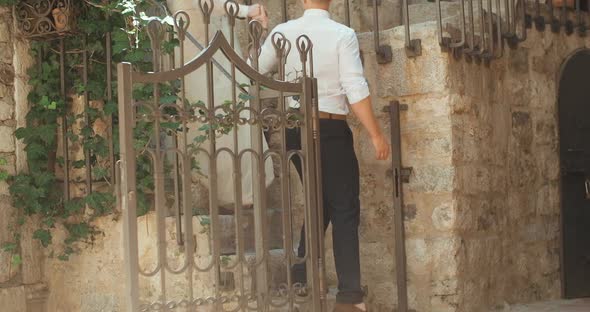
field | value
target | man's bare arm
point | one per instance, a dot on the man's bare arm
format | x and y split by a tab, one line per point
364	112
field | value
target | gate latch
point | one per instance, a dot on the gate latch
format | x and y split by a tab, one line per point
587	184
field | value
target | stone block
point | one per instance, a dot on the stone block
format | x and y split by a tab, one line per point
6	53
6	74
6	108
6	139
406	76
32	253
5	91
5	32
418	255
444	216
7	227
13	299
432	178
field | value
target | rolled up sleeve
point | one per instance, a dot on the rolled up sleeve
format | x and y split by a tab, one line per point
352	77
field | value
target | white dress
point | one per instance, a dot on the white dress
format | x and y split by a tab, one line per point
196	89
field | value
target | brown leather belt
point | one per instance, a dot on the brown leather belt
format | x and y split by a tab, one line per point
324	115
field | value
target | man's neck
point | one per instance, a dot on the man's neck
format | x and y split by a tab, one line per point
315	6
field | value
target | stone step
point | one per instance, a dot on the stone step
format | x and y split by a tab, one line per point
228	230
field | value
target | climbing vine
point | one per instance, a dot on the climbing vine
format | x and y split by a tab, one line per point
39	190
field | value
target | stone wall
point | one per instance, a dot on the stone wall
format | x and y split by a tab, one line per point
506	155
482	207
21	286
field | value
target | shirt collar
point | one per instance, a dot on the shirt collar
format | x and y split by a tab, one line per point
317	12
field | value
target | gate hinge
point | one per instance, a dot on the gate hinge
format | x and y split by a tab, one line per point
406	173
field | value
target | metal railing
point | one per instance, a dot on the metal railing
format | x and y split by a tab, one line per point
505	22
485	26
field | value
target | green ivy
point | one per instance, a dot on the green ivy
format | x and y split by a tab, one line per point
8	2
38	191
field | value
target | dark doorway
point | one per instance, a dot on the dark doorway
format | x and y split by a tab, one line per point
574	126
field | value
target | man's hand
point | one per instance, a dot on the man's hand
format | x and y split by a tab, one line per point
364	112
258	13
382	148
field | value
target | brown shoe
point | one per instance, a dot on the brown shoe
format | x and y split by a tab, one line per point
344	307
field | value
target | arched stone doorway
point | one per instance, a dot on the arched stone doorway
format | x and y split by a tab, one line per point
574	130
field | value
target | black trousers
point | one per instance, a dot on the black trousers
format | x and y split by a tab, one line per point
340	185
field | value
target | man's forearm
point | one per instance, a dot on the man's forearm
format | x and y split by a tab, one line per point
363	110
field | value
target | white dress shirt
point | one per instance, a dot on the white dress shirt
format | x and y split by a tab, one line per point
336	58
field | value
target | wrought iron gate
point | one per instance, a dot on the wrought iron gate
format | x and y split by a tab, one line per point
183	265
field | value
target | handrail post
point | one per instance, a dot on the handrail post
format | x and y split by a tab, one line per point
580	20
347	12
413	46
383	52
539	19
554	22
444	42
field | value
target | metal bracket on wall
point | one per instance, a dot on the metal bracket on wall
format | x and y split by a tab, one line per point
400	175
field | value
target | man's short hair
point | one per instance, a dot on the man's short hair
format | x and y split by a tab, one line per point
321	1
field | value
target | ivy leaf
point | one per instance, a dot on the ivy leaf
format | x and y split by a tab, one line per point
44	236
3	175
78	164
245	97
170	125
9	247
100	173
36	151
16	260
22	133
169	99
110	108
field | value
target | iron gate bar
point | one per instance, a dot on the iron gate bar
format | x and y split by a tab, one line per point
109	66
260	219
398	206
176	162
128	184
282	48
64	119
87	155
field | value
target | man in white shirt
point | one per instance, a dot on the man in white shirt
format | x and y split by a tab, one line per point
341	87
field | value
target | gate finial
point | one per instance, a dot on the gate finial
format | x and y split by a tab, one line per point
232	9
181	22
304	46
207	10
